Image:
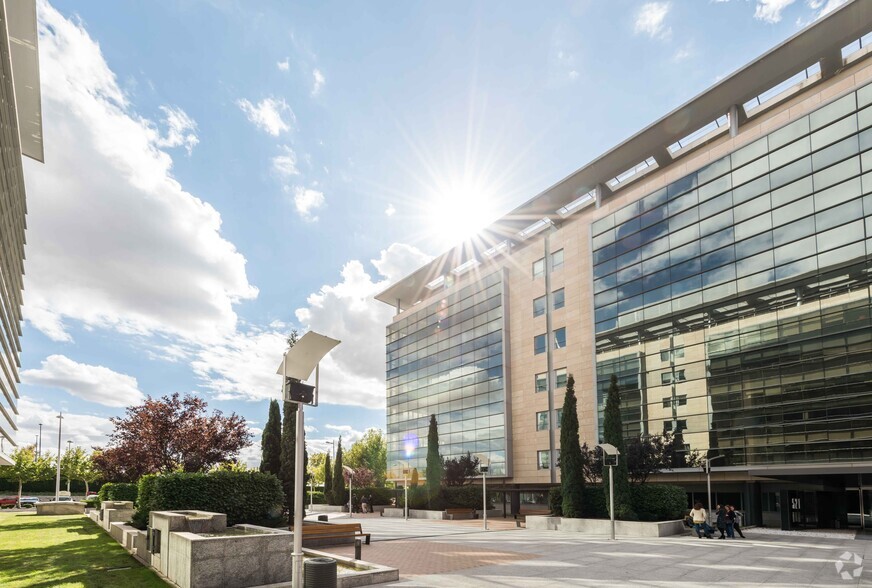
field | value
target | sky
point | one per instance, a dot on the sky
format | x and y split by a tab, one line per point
220	172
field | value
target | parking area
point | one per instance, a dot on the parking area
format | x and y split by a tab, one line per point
445	553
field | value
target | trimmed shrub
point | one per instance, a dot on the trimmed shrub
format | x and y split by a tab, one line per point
659	502
93	502
118	491
451	497
245	497
317	497
594	505
380	496
555	501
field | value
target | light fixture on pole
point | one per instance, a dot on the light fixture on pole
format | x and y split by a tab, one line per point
611	454
297	366
708	479
60	418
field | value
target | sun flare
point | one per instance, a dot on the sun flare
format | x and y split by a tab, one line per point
458	210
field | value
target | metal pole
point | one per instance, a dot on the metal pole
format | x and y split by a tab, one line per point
484	497
405	494
350	496
39	446
298	503
708	477
612	499
60	418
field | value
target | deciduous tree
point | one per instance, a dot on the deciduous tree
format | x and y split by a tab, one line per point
461	471
170	434
370	452
414	481
26	467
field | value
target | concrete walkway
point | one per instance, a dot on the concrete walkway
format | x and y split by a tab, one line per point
462	556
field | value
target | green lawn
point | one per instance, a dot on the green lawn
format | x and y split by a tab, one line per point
39	552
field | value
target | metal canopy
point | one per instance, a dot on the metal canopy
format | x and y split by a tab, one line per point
300	360
24	51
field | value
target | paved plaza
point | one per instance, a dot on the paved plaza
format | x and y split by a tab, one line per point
451	554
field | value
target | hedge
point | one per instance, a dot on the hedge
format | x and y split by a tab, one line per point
117	491
245	497
468	496
651	502
47	486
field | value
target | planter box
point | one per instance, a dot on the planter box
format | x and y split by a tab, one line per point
603	526
328	508
60	508
433	515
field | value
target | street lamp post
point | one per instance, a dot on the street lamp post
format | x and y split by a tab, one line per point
708	477
60	418
405	465
297	366
39	444
611	451
483	467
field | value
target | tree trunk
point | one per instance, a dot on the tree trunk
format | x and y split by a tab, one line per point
87	489
68	484
19	493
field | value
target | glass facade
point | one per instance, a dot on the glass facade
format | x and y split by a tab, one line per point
734	303
447	359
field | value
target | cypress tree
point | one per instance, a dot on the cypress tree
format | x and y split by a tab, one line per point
414	482
571	468
288	455
271	442
328	481
339	495
434	462
613	433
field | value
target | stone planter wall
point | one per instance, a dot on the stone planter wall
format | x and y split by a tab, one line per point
60	508
329	508
603	526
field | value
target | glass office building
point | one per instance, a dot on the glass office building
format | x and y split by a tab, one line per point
765	254
446	359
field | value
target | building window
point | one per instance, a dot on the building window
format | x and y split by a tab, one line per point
560	338
538	344
538	268
542	421
559	417
541	382
670	401
680	425
559	300
672	354
539	306
672	377
543	459
560	378
557	260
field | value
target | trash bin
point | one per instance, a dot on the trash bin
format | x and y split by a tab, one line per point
319	572
323	518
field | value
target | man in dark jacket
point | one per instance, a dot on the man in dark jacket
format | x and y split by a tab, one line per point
721	513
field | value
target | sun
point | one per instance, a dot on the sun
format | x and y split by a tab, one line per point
458	210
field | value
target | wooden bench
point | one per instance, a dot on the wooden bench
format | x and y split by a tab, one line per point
334	531
457	513
534	512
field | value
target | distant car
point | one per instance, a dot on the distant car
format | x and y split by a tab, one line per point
8	501
28	501
64	499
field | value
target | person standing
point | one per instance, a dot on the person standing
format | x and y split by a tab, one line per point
721	514
698	515
737	520
731	520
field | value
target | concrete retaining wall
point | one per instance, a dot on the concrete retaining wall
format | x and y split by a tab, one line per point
60	508
328	508
603	526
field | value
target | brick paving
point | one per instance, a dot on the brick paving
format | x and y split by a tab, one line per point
414	557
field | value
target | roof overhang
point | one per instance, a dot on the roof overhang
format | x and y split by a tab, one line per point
823	40
24	52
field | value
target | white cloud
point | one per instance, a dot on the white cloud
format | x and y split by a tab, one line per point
318	81
284	65
286	164
93	383
824	7
106	192
180	129
243	366
770	10
683	53
310	429
348	433
650	20
269	115
390	210
84	430
307	201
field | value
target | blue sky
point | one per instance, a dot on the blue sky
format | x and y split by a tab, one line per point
220	172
